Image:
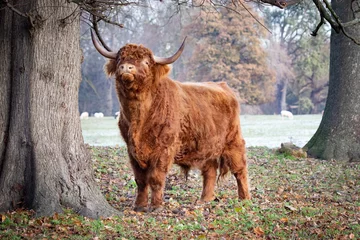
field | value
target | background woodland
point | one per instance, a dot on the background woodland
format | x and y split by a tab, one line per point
267	56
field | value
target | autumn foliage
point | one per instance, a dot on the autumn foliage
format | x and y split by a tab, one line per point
230	47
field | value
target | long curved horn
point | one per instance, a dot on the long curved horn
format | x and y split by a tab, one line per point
173	58
101	49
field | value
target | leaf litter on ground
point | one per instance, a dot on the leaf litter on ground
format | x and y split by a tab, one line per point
298	198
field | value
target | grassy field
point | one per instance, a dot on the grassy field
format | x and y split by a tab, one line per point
258	130
291	199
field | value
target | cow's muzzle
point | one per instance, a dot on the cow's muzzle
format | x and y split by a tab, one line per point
127	77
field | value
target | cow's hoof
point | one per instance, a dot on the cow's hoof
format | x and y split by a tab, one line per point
140	209
156	209
207	199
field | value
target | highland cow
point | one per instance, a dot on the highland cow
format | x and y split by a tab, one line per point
162	121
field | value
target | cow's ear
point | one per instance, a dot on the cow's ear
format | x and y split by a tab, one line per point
161	70
110	67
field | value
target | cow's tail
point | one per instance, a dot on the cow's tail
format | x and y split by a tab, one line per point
224	168
185	169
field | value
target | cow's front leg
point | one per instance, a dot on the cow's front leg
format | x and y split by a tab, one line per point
141	201
209	179
157	185
157	177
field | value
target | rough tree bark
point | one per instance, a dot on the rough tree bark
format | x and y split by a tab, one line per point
338	136
44	164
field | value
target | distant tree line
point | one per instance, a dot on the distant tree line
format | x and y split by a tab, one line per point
300	60
284	70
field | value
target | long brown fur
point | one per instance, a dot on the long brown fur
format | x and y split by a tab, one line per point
164	121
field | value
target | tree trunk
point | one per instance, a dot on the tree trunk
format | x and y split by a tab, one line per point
338	136
107	101
283	91
44	164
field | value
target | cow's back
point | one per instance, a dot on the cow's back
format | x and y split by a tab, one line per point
209	101
209	116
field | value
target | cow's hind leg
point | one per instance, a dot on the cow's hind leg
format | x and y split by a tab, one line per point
141	201
235	158
209	172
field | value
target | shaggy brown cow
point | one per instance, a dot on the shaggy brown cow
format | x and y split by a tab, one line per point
194	125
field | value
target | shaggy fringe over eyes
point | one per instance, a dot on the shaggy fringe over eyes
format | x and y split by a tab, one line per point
135	52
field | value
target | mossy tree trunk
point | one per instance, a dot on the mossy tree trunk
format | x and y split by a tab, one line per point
338	136
44	164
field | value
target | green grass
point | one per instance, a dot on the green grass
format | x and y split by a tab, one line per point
101	131
272	130
291	199
258	130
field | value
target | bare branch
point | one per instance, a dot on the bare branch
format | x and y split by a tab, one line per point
200	4
257	20
278	3
356	41
237	12
326	15
338	21
70	15
342	27
321	87
95	26
102	8
322	21
351	23
14	9
333	19
107	20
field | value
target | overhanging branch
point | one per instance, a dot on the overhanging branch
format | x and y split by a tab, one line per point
15	10
351	23
326	13
322	21
95	26
279	3
106	19
35	19
251	14
102	8
342	27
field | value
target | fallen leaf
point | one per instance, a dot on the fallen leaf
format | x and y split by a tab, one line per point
291	208
280	190
258	231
